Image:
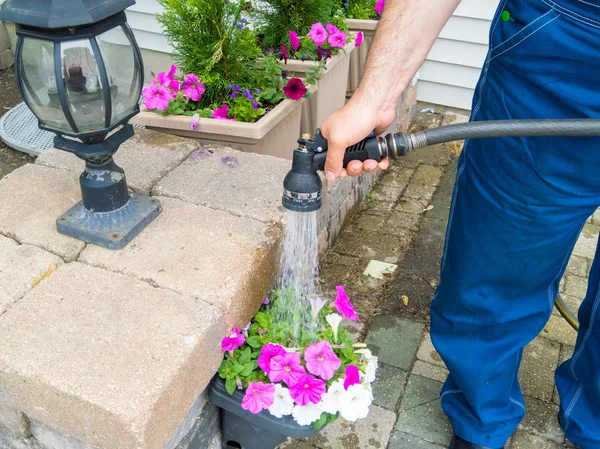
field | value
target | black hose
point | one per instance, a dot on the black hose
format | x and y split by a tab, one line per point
507	128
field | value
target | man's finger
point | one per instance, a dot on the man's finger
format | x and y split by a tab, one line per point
354	168
370	165
384	164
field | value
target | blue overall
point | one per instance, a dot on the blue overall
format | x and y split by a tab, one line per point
518	207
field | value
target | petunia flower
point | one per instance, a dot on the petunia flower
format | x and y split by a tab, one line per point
259	396
334	321
307	390
316	305
343	305
283	403
359	39
306	415
248	94
323	53
321	360
157	97
193	88
337	40
285	54
332	28
318	34
379	6
194	123
255	105
330	402
352	376
266	301
286	368
372	365
294	40
221	113
294	89
165	79
233	341
355	403
267	352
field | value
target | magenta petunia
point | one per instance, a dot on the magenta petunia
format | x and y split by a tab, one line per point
318	34
286	368
343	305
337	40
221	113
193	125
321	360
285	53
332	29
193	88
233	340
294	89
359	39
269	351
166	79
294	40
157	97
308	390
352	376
379	6
259	396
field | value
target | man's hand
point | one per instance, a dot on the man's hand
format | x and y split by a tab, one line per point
350	125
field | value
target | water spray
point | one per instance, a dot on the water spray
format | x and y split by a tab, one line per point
302	186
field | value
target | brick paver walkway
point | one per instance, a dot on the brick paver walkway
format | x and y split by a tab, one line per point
403	222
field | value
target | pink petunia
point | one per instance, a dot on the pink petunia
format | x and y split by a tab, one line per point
294	89
233	340
352	376
269	351
294	40
221	113
165	79
359	39
343	305
332	29
259	396
193	125
321	360
286	368
379	6
337	40
318	34
308	390
193	88
157	97
285	53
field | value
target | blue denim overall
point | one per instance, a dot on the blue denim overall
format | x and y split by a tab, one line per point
519	205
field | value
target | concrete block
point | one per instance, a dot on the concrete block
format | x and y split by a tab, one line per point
424	182
524	440
222	259
427	352
389	386
244	184
578	266
107	359
576	286
395	341
398	222
536	376
559	330
146	158
21	268
386	193
374	245
430	371
541	420
401	440
34	197
396	176
587	242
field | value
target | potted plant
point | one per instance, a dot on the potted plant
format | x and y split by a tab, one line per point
291	371
230	94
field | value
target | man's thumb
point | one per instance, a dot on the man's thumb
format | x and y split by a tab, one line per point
334	162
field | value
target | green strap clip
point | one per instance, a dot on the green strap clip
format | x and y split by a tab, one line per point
506	17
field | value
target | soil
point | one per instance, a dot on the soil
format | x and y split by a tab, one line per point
10	159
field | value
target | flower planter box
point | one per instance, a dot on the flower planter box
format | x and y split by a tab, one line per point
275	134
241	428
331	93
358	58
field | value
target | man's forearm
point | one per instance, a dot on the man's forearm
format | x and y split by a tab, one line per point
406	33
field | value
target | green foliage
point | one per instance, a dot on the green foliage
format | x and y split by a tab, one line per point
275	18
361	9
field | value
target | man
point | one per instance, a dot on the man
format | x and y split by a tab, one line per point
518	207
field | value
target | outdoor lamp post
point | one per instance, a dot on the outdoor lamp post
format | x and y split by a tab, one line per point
79	69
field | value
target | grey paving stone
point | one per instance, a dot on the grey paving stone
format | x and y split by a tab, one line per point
587	241
380	208
427	352
576	286
420	411
524	440
386	193
373	245
424	182
368	223
401	440
396	176
372	432
295	444
389	386
572	302
398	221
536	375
430	371
395	341
559	330
411	205
579	266
596	217
541	420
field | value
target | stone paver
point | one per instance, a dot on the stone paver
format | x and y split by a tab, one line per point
59	362
38	196
245	184
373	432
558	329
536	376
394	340
424	182
420	412
402	440
524	440
373	245
386	193
587	242
576	286
21	268
398	221
389	386
430	371
578	266
541	420
177	252
146	158
397	176
427	352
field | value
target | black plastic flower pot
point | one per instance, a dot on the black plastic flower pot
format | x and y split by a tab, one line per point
244	430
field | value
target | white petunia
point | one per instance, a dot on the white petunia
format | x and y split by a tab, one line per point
307	414
330	403
355	403
334	321
283	404
371	372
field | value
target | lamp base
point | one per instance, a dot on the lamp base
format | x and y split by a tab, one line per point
112	230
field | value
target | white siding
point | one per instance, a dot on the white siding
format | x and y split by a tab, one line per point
148	32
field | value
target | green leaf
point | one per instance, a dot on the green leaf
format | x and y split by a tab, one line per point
319	423
245	356
253	342
237	368
262	319
248	368
230	386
